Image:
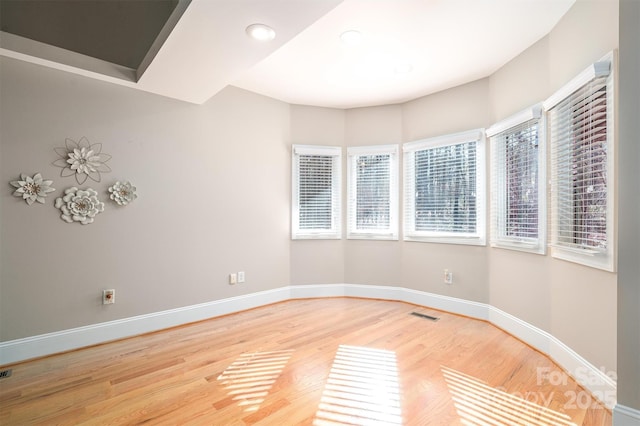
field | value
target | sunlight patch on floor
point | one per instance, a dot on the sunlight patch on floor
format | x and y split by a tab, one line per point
251	376
480	404
362	389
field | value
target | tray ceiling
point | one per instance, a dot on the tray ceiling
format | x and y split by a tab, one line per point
192	49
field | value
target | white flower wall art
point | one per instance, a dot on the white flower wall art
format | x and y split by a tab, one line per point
82	159
123	193
32	189
79	205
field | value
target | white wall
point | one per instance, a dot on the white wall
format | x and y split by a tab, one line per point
213	184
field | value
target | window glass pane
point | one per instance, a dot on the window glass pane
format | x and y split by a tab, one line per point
445	188
579	134
373	180
315	191
581	125
521	182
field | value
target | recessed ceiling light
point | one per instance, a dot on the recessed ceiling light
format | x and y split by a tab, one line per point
261	32
351	37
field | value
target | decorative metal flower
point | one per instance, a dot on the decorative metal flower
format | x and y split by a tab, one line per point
32	189
123	193
79	205
82	159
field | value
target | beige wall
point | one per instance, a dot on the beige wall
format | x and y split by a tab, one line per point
213	184
373	262
522	82
586	33
520	282
629	203
317	261
557	296
583	36
455	110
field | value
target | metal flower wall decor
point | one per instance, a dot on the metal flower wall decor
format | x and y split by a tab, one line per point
123	193
32	189
79	205
82	159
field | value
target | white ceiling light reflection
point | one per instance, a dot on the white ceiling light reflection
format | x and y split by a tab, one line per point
479	404
351	38
362	388
260	32
250	377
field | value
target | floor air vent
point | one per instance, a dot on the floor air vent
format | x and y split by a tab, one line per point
429	317
5	373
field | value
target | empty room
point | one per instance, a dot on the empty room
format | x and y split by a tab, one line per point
320	212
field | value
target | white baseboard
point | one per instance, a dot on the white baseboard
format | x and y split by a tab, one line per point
599	384
524	331
435	301
316	290
61	341
625	416
596	381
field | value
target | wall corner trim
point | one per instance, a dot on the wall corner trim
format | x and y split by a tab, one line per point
592	378
625	416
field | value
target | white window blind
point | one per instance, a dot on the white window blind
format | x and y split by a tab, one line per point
517	184
316	192
444	189
373	192
581	139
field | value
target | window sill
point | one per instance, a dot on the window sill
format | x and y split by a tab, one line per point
603	261
469	241
381	237
316	237
533	248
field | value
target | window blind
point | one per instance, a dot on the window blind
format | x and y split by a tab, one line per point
316	190
579	141
516	193
372	192
442	184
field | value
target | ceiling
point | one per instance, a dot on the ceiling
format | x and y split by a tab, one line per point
192	49
116	31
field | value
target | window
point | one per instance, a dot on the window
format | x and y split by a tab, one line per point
444	189
581	142
373	192
316	192
518	208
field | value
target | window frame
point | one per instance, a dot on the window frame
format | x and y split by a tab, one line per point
353	154
498	237
604	259
335	232
409	194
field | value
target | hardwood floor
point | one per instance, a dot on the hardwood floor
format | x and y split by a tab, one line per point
337	361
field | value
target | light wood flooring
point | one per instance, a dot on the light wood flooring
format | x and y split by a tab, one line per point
337	361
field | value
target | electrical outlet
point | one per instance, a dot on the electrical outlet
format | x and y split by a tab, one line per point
241	276
448	277
108	296
233	278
